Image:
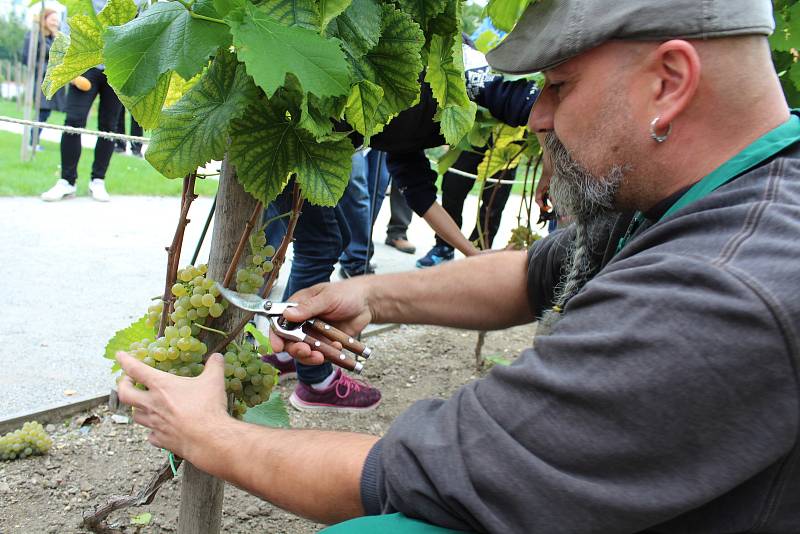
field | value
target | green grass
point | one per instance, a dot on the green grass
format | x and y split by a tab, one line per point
127	175
9	109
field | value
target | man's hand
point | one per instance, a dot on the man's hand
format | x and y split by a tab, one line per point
344	305
178	410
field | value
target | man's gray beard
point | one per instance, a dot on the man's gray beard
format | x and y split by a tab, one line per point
574	190
589	200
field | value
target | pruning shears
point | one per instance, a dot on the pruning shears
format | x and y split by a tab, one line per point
324	332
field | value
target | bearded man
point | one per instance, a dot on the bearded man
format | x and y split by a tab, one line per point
661	394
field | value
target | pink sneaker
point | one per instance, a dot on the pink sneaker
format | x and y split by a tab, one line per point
286	370
345	394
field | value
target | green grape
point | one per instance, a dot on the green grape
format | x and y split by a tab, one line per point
253	368
240	373
185	331
184	343
268	266
269	250
185	275
202	312
196	368
178	290
170	332
230	357
215	310
208	300
255	379
228	370
235	384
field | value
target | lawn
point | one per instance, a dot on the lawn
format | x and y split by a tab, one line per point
127	175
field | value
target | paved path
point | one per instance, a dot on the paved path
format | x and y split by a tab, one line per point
74	272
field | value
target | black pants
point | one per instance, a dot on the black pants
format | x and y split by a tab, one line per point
78	105
136	148
401	215
44	114
455	189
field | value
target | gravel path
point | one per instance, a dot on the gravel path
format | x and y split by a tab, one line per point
74	272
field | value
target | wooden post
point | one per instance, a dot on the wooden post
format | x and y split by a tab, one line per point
201	494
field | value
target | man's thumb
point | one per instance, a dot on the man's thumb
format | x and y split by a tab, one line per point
215	367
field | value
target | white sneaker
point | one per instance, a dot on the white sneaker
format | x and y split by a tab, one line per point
60	191
97	188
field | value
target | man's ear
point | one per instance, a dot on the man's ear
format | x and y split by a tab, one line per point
676	65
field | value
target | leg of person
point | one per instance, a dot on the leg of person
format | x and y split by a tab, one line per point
320	237
355	204
136	129
455	189
78	105
400	218
107	117
119	145
498	203
44	114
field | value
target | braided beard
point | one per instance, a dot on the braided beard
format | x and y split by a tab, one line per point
589	200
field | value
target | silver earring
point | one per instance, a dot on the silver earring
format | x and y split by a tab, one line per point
659	138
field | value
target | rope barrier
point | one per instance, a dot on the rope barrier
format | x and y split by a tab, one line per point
73	130
475	177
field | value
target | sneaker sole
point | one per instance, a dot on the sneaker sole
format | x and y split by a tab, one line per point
65	197
304	406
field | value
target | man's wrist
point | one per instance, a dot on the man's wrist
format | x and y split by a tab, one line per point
210	441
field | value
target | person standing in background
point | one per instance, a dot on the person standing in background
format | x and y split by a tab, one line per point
79	102
49	23
120	145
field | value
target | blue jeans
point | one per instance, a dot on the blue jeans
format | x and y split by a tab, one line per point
319	238
360	205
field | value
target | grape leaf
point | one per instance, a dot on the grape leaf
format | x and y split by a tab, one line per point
271	50
75	7
301	13
263	340
395	63
142	519
178	87
195	130
164	37
271	413
498	159
445	72
267	146
223	7
456	121
506	13
122	339
330	9
422	11
358	27
72	55
117	12
362	109
146	109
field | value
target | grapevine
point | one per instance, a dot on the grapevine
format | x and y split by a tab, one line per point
29	440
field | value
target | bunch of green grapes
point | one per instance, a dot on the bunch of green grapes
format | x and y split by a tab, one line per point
29	440
246	376
522	238
179	351
250	278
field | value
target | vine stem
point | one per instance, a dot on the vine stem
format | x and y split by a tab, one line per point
277	261
174	250
94	521
483	185
237	255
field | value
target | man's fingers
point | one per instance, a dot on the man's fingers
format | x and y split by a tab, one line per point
310	304
138	371
128	394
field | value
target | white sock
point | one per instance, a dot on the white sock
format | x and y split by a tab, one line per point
283	356
325	384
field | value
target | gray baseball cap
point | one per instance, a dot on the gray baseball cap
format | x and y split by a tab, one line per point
553	31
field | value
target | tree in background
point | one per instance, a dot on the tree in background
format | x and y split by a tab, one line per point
12	34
